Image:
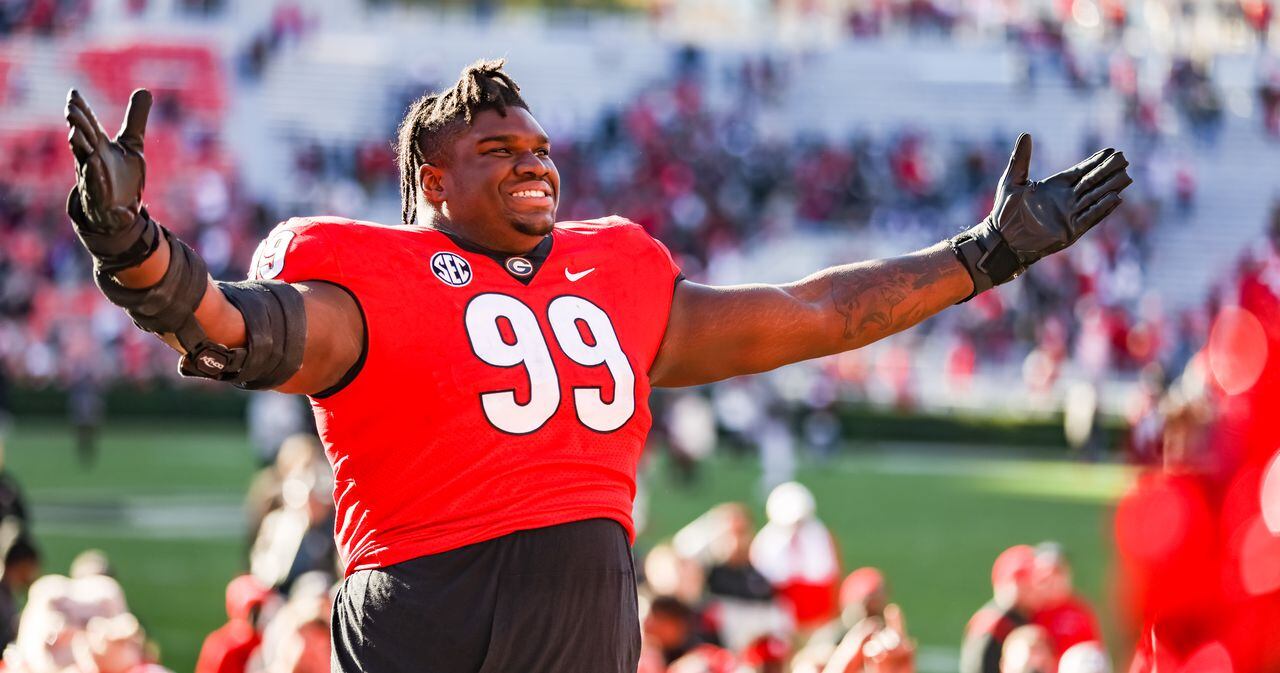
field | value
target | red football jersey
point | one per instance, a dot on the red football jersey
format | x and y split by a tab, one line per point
496	393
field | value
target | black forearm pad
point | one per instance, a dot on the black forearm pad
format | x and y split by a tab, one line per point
275	324
988	258
166	306
119	250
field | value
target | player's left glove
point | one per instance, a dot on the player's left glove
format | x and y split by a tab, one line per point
1032	219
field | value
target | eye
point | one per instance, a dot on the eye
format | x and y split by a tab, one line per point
501	151
543	152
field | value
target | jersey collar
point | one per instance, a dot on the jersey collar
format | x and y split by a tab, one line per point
520	267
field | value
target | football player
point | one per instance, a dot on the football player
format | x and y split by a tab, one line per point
480	372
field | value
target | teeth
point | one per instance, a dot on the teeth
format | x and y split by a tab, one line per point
530	194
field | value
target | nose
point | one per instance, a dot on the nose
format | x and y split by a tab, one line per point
533	166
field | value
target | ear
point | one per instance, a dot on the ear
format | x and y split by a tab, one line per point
431	184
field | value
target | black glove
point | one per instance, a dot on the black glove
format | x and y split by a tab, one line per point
1033	219
106	203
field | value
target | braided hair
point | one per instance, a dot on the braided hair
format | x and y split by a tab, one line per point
433	121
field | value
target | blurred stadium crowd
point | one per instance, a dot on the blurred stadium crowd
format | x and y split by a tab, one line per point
711	181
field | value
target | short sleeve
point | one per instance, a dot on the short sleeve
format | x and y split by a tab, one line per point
664	261
296	250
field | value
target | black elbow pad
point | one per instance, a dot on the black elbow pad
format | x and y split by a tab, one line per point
275	325
274	319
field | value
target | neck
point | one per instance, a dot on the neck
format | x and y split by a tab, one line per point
514	243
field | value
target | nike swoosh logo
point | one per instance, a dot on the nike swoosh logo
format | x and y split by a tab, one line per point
575	277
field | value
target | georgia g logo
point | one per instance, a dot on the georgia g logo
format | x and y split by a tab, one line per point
451	269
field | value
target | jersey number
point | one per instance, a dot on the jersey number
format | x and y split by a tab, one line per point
529	348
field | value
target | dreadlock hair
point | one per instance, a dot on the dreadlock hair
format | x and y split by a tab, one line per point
434	120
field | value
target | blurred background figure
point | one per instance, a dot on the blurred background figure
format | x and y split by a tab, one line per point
864	596
272	418
89	563
300	456
21	568
77	624
669	628
1087	657
1015	600
297	537
228	649
739	597
1065	616
1028	649
798	555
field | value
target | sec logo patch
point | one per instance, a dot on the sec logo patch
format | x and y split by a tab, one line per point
451	269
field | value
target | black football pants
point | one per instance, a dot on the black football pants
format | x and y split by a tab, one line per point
552	600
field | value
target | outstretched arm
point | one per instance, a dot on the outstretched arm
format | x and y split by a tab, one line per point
333	339
294	338
719	332
715	333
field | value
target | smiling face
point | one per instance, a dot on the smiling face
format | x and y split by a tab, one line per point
497	185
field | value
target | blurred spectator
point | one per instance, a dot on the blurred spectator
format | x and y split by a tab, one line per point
863	599
873	648
272	418
742	599
298	537
1015	600
113	645
668	573
55	621
227	650
91	562
6	408
1065	616
296	638
669	628
12	502
21	568
1027	649
299	455
863	604
86	407
1088	657
798	555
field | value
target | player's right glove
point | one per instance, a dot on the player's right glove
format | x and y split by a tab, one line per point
1032	219
106	202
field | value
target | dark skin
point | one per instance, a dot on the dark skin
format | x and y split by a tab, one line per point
485	189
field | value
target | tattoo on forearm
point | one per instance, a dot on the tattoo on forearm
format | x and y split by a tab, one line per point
891	296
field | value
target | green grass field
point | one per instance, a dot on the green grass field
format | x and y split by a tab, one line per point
162	501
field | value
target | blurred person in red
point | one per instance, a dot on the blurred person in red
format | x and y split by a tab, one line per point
296	636
1014	601
227	650
872	648
1066	616
1028	649
798	555
766	654
1199	540
864	596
